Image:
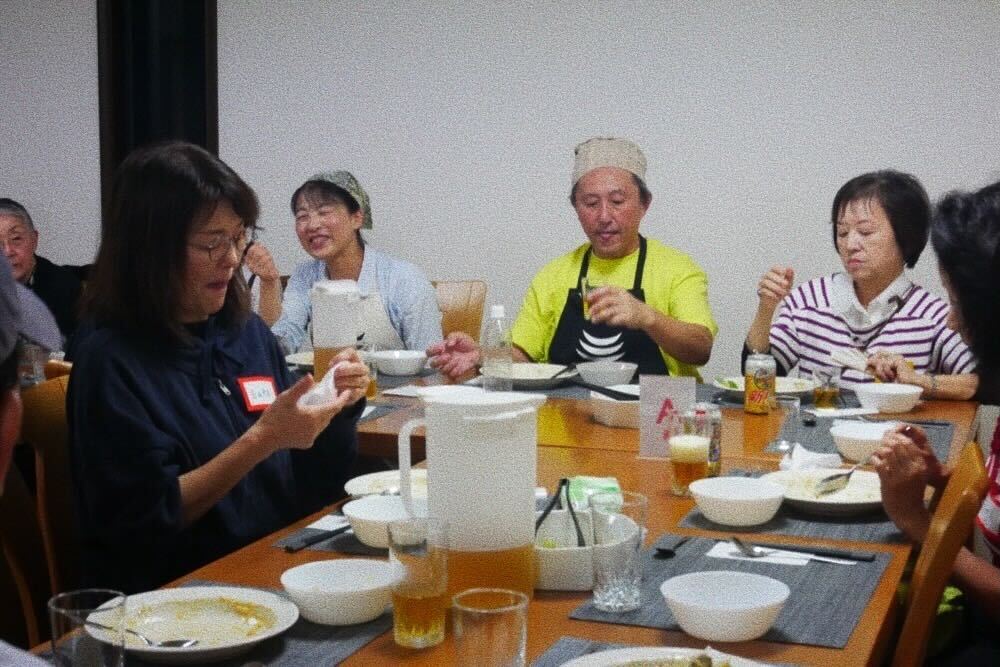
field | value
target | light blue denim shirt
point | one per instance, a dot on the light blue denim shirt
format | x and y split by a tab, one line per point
408	297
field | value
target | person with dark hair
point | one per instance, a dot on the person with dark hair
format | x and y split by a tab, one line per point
58	287
880	222
399	305
651	304
188	438
966	238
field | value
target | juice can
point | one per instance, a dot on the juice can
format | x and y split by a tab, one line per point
759	377
709	418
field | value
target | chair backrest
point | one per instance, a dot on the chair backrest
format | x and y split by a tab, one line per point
24	577
57	367
45	430
461	304
950	527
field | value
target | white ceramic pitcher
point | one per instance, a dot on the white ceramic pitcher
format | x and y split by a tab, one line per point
481	472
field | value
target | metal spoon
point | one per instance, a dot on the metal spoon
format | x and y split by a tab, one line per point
166	643
837	481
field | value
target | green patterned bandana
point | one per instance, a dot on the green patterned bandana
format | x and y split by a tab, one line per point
345	181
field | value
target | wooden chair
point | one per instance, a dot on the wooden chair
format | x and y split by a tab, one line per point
45	430
461	303
951	525
24	577
57	367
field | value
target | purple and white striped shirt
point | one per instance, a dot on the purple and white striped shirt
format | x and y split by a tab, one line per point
809	326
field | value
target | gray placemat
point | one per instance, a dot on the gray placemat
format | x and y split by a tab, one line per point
818	439
305	644
726	399
345	543
825	604
874	527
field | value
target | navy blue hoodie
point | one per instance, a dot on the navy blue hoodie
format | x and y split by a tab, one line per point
140	416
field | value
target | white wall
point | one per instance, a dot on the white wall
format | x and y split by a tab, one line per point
460	120
49	141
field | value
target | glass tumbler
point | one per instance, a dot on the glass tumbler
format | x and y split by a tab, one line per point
619	524
491	627
88	628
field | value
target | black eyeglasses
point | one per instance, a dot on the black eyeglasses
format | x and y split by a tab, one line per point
220	246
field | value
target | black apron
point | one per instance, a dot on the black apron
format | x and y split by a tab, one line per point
577	339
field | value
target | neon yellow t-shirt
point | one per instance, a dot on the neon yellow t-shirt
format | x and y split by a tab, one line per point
672	282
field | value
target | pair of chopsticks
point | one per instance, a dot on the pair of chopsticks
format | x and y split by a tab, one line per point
309	540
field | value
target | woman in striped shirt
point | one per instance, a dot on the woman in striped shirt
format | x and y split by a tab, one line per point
880	223
966	238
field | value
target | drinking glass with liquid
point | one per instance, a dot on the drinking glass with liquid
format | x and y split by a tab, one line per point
420	597
689	452
497	352
826	394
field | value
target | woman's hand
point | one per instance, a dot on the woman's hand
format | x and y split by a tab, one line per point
905	468
287	425
350	375
889	367
259	261
455	356
615	307
774	286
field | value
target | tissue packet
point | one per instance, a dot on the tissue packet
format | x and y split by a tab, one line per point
582	487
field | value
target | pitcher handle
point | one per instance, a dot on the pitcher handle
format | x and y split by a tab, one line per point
503	416
405	490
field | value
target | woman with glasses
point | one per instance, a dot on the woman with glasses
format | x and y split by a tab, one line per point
399	306
879	223
187	435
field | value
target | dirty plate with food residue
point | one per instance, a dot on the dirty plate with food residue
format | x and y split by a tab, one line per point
226	621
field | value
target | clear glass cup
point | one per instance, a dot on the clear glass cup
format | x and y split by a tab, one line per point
491	627
789	407
688	452
365	351
31	369
619	524
419	597
826	394
587	285
76	639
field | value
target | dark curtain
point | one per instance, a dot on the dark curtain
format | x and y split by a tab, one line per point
157	77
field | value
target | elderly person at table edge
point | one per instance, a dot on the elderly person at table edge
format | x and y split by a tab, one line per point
57	286
880	222
652	307
966	237
22	316
399	309
187	436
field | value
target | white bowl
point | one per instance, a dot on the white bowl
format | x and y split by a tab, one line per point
398	362
340	592
370	516
612	412
724	606
607	373
888	396
857	441
563	566
737	501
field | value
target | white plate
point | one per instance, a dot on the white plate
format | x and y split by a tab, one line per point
862	494
211	614
377	482
783	385
539	376
623	656
304	359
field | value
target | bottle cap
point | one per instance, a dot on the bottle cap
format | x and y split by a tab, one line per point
497	311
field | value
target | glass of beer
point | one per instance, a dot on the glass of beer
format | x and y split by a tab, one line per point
688	460
419	597
587	285
826	394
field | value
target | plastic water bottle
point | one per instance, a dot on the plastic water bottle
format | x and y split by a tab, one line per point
498	360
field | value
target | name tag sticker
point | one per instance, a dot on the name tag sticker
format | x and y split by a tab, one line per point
258	392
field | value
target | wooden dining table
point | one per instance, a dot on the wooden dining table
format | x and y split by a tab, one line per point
570	443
